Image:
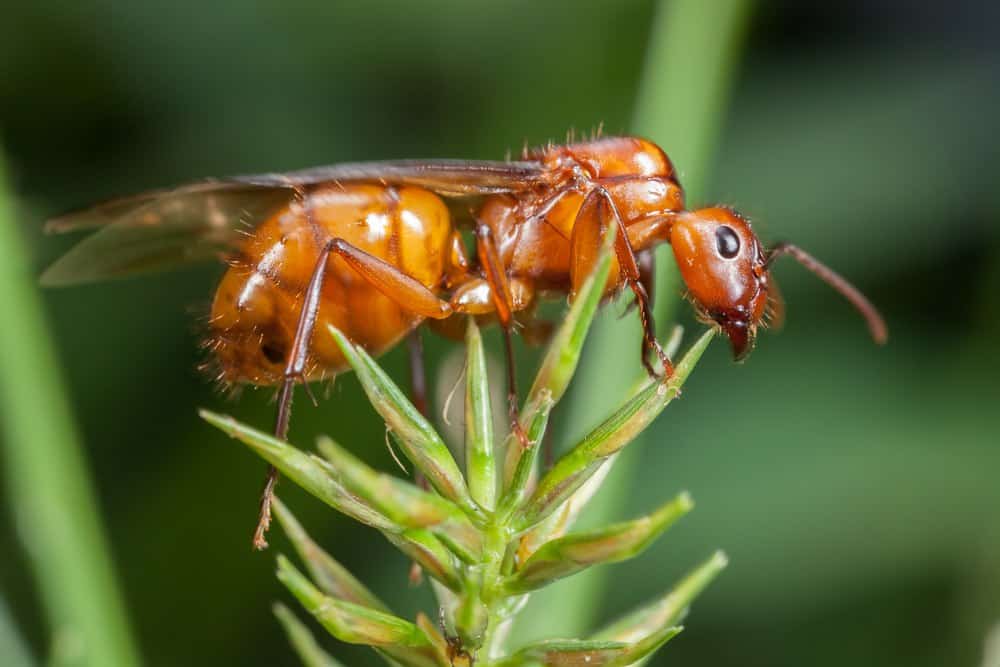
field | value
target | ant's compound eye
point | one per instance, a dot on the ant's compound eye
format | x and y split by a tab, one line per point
727	242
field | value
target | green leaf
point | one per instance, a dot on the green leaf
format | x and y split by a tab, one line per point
332	577
667	610
425	549
523	459
302	640
588	653
583	461
560	521
572	553
402	502
418	439
354	624
480	462
306	470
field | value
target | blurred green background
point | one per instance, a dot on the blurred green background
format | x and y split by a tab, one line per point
856	489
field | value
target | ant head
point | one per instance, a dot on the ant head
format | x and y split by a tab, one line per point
725	270
727	275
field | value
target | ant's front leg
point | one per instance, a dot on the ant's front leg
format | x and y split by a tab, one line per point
647	278
596	213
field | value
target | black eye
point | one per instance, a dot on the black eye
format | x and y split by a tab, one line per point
727	242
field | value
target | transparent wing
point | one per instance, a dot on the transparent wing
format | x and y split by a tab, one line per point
166	228
157	231
445	177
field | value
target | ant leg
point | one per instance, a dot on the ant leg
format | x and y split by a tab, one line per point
418	390
408	292
647	273
294	370
646	261
418	376
496	277
418	386
647	278
597	211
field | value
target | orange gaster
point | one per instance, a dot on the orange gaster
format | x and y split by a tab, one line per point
373	249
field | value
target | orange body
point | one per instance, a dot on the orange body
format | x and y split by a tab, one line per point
257	304
395	257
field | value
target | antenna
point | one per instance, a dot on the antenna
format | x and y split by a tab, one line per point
876	325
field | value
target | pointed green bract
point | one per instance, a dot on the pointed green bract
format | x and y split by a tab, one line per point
485	544
669	609
307	471
559	522
582	461
483	561
480	460
309	651
588	653
404	503
572	553
354	624
418	439
332	577
427	551
523	459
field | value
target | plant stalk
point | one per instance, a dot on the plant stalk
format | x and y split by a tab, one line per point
47	479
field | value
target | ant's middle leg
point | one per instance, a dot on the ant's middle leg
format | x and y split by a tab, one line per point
418	392
418	374
596	213
495	275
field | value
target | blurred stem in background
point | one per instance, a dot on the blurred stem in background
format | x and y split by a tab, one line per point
50	492
690	64
13	648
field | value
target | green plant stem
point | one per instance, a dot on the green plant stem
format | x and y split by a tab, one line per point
47	480
494	548
689	68
13	648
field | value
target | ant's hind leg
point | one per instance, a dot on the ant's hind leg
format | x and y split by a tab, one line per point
408	292
294	370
